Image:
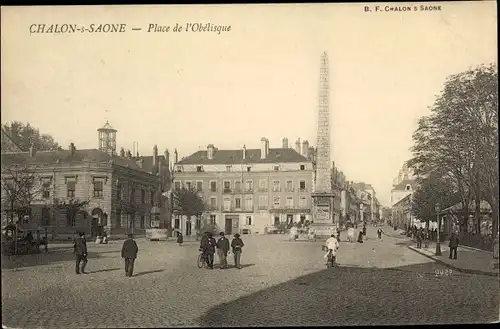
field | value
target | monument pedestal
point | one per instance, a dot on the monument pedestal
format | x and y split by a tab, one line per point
322	213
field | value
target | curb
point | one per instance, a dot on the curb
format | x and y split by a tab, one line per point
471	248
463	270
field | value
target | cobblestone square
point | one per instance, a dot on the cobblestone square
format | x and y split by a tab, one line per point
282	283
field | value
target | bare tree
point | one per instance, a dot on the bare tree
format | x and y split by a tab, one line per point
19	189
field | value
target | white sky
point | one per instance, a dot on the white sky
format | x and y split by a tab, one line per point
187	90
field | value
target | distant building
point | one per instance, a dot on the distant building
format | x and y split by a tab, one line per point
120	190
370	206
401	212
248	190
404	184
403	189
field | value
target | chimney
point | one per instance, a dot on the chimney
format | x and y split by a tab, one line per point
263	148
267	147
167	158
176	156
305	148
155	156
210	151
285	143
297	146
32	151
72	148
244	152
122	152
129	154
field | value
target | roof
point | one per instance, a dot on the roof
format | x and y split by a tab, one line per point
147	163
402	185
363	186
107	126
484	206
64	156
277	155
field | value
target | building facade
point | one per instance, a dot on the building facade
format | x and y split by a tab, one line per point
248	190
119	192
404	184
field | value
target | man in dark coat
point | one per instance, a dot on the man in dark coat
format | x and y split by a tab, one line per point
419	238
208	245
453	245
222	250
237	245
364	229
129	253
80	251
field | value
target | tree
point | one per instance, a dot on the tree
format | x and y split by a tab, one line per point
19	189
460	139
431	190
187	202
26	136
71	208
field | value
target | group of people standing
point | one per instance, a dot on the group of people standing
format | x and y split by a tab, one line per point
209	245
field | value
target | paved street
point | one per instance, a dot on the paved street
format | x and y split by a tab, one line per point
282	283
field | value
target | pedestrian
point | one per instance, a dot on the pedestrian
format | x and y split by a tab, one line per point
129	253
453	245
237	245
364	229
419	238
379	233
222	250
208	245
180	238
360	237
338	234
80	251
426	238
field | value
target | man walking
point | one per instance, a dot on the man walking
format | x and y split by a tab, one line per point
379	233
207	246
129	253
80	251
222	250
453	245
237	245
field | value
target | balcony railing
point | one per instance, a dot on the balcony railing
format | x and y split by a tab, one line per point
239	190
262	189
276	189
302	189
289	189
239	209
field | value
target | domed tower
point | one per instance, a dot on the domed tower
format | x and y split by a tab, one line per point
107	139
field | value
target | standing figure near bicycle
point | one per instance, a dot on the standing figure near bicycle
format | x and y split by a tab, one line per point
208	248
222	250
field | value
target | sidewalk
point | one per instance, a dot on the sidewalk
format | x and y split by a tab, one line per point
473	261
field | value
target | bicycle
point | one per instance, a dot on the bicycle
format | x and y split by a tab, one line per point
202	262
331	258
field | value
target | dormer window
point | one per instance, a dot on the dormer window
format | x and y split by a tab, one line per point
178	169
199	168
249	169
302	167
276	168
408	187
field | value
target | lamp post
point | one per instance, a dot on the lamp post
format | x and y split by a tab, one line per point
438	244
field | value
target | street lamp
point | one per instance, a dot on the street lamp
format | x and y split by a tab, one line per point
438	244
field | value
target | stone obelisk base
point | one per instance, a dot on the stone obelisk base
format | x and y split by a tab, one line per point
322	213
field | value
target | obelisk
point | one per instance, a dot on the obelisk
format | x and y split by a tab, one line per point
322	195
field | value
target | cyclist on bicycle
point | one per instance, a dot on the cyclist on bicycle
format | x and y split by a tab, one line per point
332	245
